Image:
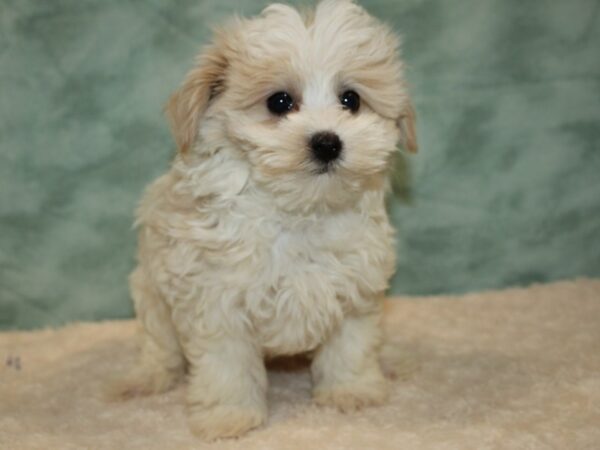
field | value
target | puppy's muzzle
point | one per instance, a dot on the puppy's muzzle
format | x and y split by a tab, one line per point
326	146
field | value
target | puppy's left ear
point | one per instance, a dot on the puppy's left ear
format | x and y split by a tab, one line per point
189	103
408	128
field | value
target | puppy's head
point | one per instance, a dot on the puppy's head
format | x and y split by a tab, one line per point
315	103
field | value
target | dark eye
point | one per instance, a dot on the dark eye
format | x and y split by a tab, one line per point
350	100
280	103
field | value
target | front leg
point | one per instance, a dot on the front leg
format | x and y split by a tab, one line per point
346	370
227	385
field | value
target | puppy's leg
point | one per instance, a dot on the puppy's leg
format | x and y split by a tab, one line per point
346	369
227	385
161	362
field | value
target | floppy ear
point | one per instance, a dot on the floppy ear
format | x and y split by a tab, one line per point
187	105
407	125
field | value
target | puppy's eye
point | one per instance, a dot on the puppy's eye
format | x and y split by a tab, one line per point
280	103
350	100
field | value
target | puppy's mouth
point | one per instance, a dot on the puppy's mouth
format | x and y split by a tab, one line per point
325	168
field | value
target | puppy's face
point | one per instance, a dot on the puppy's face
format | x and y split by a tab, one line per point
316	104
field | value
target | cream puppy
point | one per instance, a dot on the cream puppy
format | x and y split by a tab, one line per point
268	236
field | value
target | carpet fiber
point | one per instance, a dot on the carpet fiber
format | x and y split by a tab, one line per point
512	369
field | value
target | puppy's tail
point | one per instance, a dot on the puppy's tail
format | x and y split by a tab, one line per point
140	382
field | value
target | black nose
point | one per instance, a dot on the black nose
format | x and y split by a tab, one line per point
326	146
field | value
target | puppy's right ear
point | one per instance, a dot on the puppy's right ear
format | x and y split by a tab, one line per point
188	104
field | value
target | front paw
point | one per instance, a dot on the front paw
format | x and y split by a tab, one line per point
351	396
224	421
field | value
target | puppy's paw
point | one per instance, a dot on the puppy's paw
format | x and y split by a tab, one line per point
140	383
224	421
348	397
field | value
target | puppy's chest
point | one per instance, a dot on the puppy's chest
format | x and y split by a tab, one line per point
305	282
294	282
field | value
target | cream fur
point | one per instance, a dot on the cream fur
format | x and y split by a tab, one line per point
245	251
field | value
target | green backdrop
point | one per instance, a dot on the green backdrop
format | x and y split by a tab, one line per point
505	190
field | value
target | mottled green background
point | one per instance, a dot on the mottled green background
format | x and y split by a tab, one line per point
505	191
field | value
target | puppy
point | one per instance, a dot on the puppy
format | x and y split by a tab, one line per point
269	236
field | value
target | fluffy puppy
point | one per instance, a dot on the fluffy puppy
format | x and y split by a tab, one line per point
269	236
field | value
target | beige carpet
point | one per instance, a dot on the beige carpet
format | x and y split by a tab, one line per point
518	369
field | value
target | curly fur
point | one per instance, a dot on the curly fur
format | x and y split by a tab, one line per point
246	251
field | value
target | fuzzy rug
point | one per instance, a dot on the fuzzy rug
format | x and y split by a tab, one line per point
516	369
